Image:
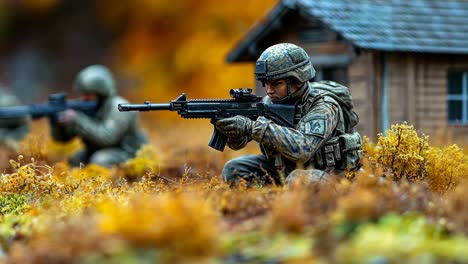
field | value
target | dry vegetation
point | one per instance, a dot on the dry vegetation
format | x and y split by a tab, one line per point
169	205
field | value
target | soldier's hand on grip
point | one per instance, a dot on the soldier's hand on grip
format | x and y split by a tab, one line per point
236	126
66	116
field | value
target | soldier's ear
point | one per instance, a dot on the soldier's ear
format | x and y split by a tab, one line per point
295	82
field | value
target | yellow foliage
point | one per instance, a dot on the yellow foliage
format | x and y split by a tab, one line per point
446	167
405	154
61	171
35	147
60	151
188	211
368	147
148	159
91	171
28	178
184	224
402	152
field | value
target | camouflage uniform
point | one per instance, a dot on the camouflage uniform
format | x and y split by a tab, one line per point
110	137
12	130
319	117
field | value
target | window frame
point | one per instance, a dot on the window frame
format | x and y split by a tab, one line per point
457	97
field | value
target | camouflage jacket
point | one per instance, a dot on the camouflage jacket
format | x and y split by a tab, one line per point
318	118
107	128
12	129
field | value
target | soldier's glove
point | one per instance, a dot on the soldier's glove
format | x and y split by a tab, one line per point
236	126
66	117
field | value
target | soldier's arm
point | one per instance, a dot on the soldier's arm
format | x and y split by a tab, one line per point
107	132
300	144
238	143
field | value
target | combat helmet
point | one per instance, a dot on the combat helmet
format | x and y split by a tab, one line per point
282	61
95	79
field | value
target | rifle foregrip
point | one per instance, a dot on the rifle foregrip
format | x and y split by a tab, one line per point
218	140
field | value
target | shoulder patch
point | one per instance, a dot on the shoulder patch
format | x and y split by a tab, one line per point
318	126
314	125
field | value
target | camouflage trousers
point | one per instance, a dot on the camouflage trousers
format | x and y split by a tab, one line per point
259	169
251	168
104	157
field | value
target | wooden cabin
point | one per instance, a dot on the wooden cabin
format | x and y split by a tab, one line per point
403	60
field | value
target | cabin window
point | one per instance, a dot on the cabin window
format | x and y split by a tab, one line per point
339	75
458	97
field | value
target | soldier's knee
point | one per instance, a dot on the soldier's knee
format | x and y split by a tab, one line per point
228	172
231	171
101	159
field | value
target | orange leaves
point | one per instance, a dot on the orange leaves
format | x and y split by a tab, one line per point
288	212
180	46
360	205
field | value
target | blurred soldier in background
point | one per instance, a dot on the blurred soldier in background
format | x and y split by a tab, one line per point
12	130
323	139
109	136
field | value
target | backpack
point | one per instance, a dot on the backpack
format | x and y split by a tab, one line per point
343	150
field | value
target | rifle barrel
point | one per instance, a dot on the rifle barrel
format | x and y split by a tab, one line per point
14	111
143	107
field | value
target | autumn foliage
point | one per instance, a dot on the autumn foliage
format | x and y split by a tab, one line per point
156	208
180	46
170	205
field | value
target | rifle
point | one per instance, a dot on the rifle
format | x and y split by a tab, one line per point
56	103
243	102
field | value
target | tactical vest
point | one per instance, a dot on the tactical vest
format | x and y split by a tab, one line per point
343	150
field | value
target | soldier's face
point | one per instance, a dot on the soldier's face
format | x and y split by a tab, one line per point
89	97
278	89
